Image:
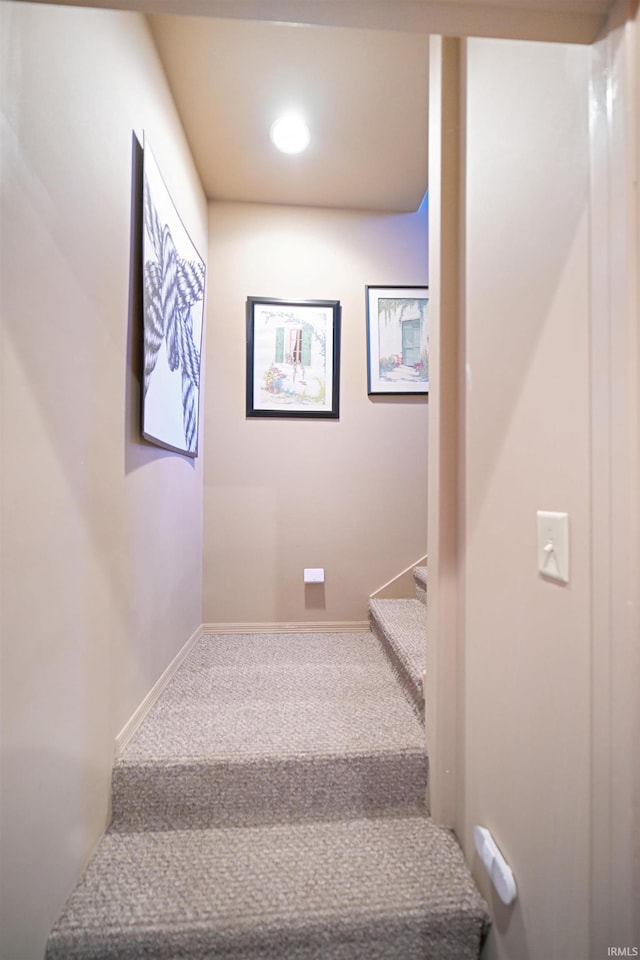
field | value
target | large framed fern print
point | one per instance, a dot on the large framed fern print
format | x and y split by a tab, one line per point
293	358
173	306
397	339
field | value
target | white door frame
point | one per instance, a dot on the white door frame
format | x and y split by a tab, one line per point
615	487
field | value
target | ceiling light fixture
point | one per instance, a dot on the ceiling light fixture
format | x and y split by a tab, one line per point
290	133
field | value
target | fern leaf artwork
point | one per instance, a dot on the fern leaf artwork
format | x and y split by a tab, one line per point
173	308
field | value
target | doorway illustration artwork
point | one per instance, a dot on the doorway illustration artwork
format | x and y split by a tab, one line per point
411	343
292	358
397	340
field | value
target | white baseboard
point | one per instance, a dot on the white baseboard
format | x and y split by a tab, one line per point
136	719
307	626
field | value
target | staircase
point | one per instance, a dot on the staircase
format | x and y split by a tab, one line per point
401	627
272	807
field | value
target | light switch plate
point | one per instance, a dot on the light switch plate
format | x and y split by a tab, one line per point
553	545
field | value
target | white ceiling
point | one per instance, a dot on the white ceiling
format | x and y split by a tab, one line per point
358	69
364	94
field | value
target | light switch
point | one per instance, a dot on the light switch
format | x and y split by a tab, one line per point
314	574
553	545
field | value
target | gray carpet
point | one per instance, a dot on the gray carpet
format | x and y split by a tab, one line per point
420	579
271	807
401	626
389	888
257	729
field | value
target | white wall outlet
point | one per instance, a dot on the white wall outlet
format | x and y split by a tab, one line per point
553	545
314	574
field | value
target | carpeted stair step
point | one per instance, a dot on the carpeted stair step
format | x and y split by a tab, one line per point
420	579
262	729
271	806
401	626
367	889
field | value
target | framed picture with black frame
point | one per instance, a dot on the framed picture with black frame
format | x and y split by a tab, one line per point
293	358
397	340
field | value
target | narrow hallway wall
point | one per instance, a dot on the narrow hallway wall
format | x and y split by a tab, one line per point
526	708
101	545
281	495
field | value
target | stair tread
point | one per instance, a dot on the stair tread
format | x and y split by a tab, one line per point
405	624
292	700
272	805
401	626
286	890
420	575
317	728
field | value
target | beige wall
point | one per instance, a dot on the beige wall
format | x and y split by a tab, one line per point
532	704
282	495
549	706
525	717
527	640
101	536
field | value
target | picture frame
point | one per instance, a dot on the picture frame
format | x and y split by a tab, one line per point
293	358
173	318
397	340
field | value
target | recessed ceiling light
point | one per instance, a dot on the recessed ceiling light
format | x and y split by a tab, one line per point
290	133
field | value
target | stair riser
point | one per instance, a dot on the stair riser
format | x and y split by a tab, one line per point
206	795
420	580
387	939
411	688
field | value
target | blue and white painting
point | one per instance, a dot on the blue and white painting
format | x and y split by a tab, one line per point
173	306
398	339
